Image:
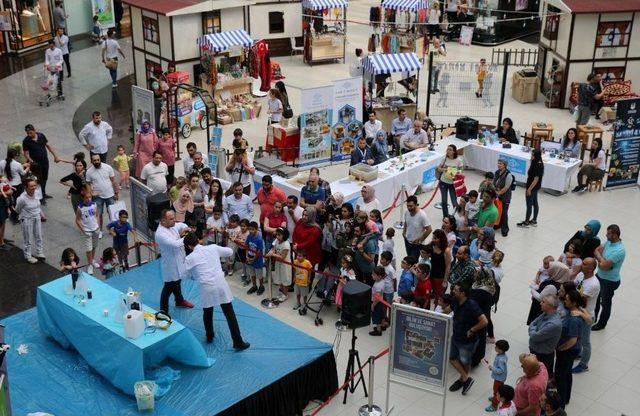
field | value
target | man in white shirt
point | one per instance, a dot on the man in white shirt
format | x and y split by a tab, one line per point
169	237
62	42
372	127
415	138
110	50
31	217
187	160
103	184
293	213
53	63
417	227
202	264
589	287
95	136
154	174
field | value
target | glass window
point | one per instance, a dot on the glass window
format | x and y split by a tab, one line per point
211	22
613	34
32	22
551	23
276	22
150	29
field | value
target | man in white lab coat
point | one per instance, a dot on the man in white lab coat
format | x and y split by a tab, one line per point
169	237
202	264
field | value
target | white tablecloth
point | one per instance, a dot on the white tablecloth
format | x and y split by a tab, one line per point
557	173
419	168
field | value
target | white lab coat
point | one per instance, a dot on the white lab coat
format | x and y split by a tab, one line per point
203	266
172	250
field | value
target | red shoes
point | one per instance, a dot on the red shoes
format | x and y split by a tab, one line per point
184	304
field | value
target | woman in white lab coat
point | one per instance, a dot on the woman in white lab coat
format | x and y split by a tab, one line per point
202	264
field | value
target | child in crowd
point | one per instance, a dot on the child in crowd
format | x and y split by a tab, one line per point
346	273
96	30
121	163
120	230
216	227
486	250
507	406
572	256
109	262
280	252
302	279
422	292
389	283
486	184
444	304
241	240
255	259
377	295
174	191
232	231
551	403
389	245
425	254
406	281
471	209
69	263
543	272
498	372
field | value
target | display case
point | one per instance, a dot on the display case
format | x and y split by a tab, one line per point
31	23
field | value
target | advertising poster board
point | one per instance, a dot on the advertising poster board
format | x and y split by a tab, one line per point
315	125
419	350
104	10
516	165
142	107
625	146
139	194
347	117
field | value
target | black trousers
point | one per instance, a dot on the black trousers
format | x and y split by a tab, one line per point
605	300
564	375
170	288
232	322
546	359
67	64
44	174
504	218
484	300
170	177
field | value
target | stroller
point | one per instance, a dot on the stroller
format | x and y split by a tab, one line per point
324	290
50	81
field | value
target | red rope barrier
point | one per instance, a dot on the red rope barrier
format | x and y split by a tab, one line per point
393	206
435	191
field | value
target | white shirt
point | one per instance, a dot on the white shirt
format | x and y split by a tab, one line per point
370	129
53	57
17	172
602	157
100	180
590	289
156	177
62	43
97	136
415	224
291	222
187	163
246	178
111	46
89	216
203	266
367	206
171	247
28	206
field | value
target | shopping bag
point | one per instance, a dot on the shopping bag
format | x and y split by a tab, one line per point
459	185
114	209
498	204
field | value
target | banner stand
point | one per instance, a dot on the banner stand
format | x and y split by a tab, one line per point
624	162
419	351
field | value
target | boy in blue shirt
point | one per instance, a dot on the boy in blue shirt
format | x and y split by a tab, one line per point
119	230
255	259
406	282
498	372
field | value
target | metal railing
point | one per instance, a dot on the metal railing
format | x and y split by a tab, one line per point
516	57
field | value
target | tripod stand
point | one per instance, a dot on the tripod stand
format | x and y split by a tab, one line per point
354	357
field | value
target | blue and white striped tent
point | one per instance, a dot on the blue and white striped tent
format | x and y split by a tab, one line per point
218	42
323	4
387	63
405	5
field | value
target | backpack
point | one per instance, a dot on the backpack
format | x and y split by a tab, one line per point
513	182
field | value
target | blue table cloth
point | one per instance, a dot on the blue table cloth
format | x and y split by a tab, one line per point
101	341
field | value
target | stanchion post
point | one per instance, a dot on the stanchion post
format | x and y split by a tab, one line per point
370	409
268	303
403	198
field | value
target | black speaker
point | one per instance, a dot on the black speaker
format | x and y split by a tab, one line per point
356	304
155	204
466	128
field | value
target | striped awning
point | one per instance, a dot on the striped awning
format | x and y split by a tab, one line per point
387	63
218	42
406	5
323	4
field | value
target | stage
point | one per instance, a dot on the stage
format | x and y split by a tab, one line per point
278	375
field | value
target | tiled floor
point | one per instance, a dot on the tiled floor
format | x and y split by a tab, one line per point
610	388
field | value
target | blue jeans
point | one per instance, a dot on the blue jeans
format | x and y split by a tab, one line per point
585	342
114	75
462	352
532	203
447	189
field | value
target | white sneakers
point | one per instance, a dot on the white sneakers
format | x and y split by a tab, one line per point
90	269
32	260
100	234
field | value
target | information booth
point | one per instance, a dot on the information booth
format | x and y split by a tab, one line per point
324	25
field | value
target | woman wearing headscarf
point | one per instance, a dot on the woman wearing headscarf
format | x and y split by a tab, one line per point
367	201
307	236
183	205
145	143
380	148
588	237
334	205
559	273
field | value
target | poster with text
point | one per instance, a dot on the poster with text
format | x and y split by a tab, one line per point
104	10
419	346
139	194
142	107
625	146
315	125
347	117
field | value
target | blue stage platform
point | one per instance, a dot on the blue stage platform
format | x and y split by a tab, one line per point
278	375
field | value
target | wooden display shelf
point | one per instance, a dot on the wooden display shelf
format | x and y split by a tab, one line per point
326	48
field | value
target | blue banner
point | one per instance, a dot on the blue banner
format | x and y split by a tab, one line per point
625	146
420	344
516	165
429	175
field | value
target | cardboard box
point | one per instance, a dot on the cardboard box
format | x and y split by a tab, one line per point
524	89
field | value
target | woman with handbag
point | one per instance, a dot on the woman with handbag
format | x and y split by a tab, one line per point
446	172
287	112
110	50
